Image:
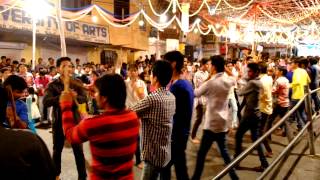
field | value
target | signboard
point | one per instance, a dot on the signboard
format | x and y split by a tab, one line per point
19	19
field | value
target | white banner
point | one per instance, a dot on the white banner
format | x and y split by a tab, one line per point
19	19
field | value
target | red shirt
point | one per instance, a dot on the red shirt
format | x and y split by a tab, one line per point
41	84
113	141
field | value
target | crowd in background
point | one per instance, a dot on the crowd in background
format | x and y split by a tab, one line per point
236	95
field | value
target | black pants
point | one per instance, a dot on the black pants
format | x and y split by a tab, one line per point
58	143
200	109
277	111
208	138
178	159
250	122
138	152
264	119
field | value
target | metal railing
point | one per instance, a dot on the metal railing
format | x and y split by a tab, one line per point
308	126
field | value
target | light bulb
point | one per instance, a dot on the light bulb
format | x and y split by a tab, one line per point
195	30
141	23
163	18
94	19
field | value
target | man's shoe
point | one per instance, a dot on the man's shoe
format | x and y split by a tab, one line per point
259	169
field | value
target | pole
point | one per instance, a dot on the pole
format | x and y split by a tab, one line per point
253	53
34	34
309	117
61	29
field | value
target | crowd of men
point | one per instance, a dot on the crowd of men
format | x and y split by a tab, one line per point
144	112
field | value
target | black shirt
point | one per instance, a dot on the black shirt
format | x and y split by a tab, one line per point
24	155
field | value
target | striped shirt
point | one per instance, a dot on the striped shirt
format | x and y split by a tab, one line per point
156	112
113	140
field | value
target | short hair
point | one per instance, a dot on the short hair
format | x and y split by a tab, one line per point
163	71
51	68
3	57
283	69
133	67
204	61
112	86
313	60
218	62
4	69
263	67
16	83
254	67
15	62
62	59
175	56
50	58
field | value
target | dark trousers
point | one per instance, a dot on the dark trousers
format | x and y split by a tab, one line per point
138	152
200	109
250	122
264	119
316	101
58	143
178	159
277	111
208	138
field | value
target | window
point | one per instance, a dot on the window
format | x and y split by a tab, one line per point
121	9
75	3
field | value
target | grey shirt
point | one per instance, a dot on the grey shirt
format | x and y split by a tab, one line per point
216	90
251	93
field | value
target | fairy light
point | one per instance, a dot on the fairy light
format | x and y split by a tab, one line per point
94	19
165	12
238	8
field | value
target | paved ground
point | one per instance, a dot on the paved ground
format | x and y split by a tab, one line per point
304	167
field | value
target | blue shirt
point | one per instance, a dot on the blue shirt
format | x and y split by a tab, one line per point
21	110
183	91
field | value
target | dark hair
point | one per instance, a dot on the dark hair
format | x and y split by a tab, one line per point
283	69
133	67
204	61
15	62
163	71
32	92
218	62
4	69
95	73
112	86
16	83
263	67
3	57
313	60
254	67
51	68
175	56
60	60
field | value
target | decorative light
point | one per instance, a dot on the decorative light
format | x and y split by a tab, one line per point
196	30
163	18
212	10
37	9
94	19
141	23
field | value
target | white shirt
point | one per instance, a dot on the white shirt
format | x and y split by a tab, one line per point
199	78
217	113
132	97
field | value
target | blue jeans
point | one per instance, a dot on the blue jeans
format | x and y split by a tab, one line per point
151	172
208	138
300	115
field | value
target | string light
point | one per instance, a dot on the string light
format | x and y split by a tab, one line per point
238	8
165	12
